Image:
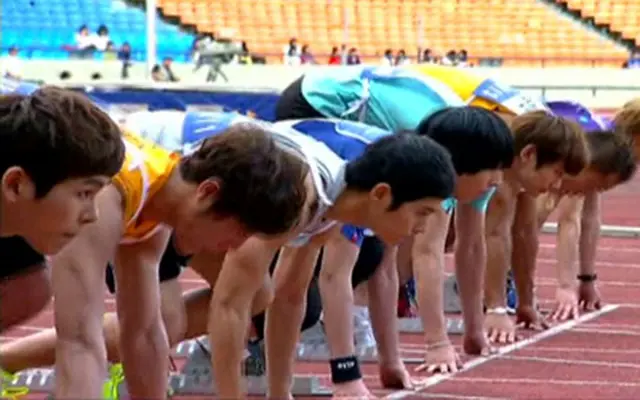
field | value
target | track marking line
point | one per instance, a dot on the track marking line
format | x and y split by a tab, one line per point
556	330
545	382
568	361
455	396
551	349
601	249
619	332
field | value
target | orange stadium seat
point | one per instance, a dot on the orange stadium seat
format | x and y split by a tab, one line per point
519	31
621	15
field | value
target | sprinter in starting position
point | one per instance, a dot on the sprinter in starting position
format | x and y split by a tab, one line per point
367	186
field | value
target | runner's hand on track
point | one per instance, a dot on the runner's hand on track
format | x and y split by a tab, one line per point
566	306
442	359
500	328
529	318
477	343
395	376
589	296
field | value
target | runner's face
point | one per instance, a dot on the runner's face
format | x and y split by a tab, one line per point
50	222
587	181
394	225
538	180
471	187
198	229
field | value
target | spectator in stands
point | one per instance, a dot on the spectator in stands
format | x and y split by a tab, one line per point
85	45
292	53
428	57
306	57
401	58
168	73
463	58
156	74
335	58
387	58
451	58
101	38
245	57
124	55
352	57
343	54
12	64
634	60
110	52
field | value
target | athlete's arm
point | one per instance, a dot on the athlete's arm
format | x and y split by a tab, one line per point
144	347
470	256
78	287
524	236
569	215
428	271
291	280
589	233
338	260
382	286
241	277
500	216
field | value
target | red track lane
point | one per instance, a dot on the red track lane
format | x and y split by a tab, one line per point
593	360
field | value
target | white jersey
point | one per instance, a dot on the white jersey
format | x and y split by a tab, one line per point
183	132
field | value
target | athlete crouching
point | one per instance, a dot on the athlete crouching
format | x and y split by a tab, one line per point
57	151
577	202
356	191
231	187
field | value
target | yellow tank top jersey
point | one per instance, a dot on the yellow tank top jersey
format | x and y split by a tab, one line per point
465	83
146	169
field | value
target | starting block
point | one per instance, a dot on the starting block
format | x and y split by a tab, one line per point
451	298
43	380
196	376
313	345
455	326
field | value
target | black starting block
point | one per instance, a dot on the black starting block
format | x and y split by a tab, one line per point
455	326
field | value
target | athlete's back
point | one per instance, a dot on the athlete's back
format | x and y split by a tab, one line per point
387	97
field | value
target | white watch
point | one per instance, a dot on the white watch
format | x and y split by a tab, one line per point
497	311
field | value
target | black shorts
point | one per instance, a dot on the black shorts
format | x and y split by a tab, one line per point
293	105
18	257
170	266
369	259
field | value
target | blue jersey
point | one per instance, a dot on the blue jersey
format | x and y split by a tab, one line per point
579	113
349	139
390	98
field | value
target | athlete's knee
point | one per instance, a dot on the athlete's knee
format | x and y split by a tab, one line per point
23	296
173	310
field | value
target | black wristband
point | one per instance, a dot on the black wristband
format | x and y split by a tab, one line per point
586	278
345	369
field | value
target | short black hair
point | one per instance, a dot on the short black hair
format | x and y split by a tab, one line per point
414	167
476	138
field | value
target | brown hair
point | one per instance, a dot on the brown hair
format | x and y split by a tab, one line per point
612	154
556	139
262	185
627	120
627	123
55	135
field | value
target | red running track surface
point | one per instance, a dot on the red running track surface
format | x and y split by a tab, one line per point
594	359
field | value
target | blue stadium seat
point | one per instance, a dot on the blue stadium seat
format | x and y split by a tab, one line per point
40	30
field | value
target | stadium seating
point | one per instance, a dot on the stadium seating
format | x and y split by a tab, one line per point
621	15
517	30
42	27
